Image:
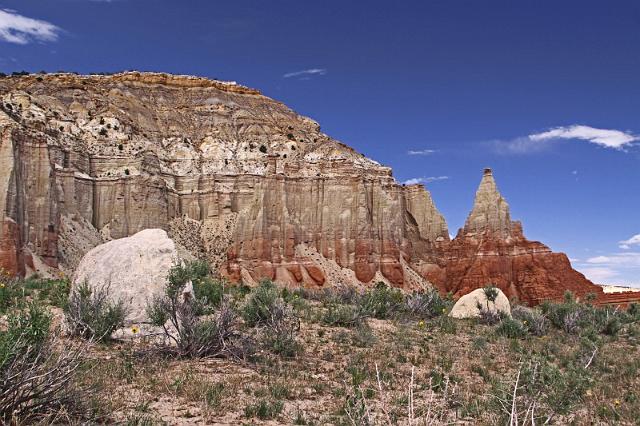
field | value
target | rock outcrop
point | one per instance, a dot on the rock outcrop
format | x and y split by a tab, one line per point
491	249
134	269
467	305
239	180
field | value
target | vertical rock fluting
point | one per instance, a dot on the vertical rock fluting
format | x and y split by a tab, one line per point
242	181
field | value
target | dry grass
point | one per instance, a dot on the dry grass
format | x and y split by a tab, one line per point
403	373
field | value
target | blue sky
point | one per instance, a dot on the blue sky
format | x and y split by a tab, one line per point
545	92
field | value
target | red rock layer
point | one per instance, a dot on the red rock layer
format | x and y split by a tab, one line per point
526	270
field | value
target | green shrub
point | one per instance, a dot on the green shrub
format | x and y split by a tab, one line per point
24	329
488	316
208	291
55	292
535	323
543	385
180	316
336	315
426	305
491	293
37	371
10	294
258	309
511	328
381	302
91	315
275	319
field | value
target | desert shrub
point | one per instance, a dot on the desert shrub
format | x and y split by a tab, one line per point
425	305
275	319
535	323
363	336
10	293
381	302
491	293
37	372
540	389
578	318
261	303
568	316
179	314
91	314
278	334
512	328
54	292
488	316
336	315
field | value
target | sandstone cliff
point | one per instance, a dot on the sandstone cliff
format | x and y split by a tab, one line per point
240	180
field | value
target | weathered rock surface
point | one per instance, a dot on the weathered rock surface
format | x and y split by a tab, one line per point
134	268
239	180
467	305
491	249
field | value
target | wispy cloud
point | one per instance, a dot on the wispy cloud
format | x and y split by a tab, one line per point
616	268
607	138
423	179
621	259
633	241
306	73
421	151
616	139
18	29
601	275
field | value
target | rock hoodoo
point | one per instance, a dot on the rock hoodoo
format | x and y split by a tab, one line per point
240	180
491	249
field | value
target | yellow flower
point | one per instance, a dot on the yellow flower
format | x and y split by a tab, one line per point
135	329
421	324
617	402
1	285
525	322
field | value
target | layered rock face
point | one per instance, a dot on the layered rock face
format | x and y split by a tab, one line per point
490	248
237	179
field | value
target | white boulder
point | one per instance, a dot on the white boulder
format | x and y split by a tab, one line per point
135	268
467	305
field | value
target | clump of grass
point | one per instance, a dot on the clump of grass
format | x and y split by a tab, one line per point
512	328
426	305
336	315
90	313
264	409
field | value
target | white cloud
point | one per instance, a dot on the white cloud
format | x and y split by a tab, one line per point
15	28
614	139
604	137
626	244
414	181
306	73
600	275
616	268
421	152
619	259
